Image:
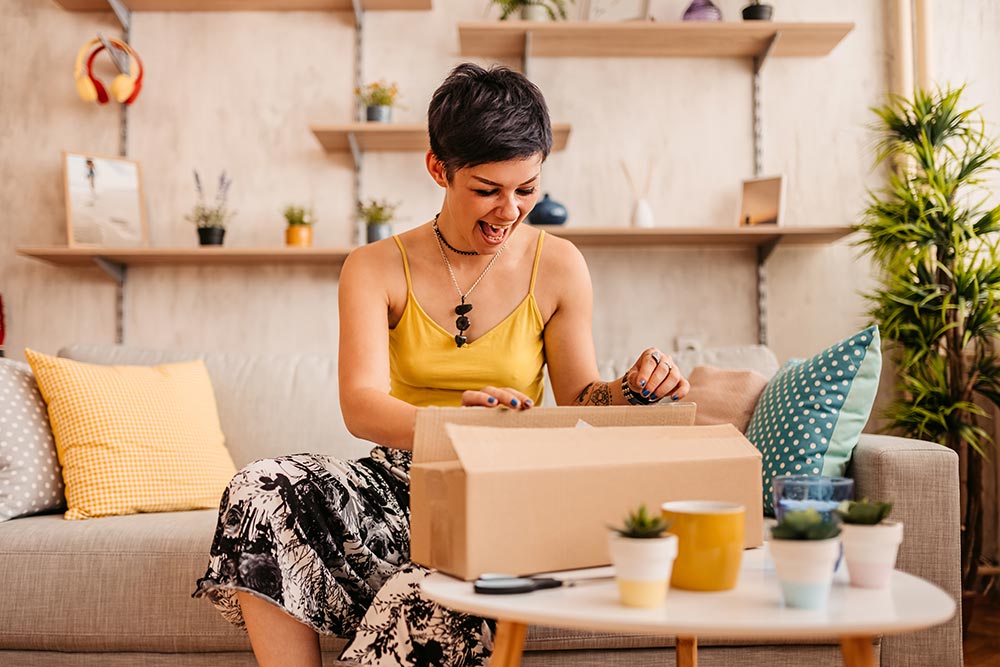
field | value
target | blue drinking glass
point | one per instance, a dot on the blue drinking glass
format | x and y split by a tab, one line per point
802	492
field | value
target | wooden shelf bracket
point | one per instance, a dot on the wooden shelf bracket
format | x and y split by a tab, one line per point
760	60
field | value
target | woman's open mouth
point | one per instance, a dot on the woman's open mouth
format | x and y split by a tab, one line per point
493	234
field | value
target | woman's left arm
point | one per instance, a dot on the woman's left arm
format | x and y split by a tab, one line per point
569	345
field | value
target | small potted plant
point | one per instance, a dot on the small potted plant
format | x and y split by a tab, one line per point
870	542
533	10
211	218
299	232
377	214
805	548
757	12
378	98
643	557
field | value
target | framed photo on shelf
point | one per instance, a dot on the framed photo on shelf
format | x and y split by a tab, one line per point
104	202
762	201
614	10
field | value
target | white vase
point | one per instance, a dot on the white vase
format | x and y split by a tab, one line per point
805	570
642	568
642	214
870	552
534	13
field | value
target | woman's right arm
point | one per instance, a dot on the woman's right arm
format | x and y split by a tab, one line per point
369	411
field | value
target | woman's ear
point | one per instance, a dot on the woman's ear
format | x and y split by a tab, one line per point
436	169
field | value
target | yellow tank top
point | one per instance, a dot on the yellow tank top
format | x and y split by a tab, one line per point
427	368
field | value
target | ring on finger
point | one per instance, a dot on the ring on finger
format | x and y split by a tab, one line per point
656	356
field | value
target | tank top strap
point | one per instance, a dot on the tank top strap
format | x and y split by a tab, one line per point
534	268
406	264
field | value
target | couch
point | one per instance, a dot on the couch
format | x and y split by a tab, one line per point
116	591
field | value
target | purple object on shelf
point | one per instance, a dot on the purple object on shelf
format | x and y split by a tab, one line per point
702	10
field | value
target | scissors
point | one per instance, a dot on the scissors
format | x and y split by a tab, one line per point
508	584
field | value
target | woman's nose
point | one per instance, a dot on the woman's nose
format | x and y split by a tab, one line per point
508	211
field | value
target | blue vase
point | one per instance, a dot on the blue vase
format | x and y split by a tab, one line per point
548	212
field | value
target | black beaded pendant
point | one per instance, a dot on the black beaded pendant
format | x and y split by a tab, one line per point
463	323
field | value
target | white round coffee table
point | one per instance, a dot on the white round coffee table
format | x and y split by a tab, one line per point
752	610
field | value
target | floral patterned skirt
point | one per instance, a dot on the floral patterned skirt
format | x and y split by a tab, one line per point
328	541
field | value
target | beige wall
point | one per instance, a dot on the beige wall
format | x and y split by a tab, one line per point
237	91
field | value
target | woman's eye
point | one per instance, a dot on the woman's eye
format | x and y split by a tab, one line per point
486	193
526	192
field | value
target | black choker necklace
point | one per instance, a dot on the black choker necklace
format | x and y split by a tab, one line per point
449	246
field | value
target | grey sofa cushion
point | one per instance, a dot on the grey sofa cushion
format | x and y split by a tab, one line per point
30	477
269	405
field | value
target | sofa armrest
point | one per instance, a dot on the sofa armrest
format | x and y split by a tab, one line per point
921	478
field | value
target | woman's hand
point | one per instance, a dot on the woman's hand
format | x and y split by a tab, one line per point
492	397
654	377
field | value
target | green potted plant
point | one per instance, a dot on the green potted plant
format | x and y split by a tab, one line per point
299	232
805	548
377	215
934	239
211	218
533	10
870	542
378	98
643	557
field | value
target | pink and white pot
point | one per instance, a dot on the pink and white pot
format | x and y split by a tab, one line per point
870	552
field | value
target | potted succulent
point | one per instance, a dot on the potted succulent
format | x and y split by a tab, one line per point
805	548
643	557
299	232
377	214
870	542
757	12
378	98
211	218
533	10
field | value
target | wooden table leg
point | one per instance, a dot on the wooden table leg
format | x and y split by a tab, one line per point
508	644
858	651
687	652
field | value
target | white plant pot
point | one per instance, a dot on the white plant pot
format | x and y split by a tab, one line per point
870	552
535	13
642	568
805	570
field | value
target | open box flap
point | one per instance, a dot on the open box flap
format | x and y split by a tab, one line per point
482	449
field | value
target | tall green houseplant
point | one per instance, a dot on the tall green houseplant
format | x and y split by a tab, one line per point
933	234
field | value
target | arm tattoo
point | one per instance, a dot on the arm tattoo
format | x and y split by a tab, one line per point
595	393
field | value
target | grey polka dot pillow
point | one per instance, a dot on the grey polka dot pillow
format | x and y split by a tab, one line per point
30	476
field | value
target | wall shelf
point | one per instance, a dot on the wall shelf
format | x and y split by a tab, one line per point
692	39
702	236
117	258
395	137
246	5
122	257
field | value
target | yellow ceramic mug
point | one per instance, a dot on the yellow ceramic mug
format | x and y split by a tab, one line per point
710	543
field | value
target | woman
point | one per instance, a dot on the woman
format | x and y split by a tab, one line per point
463	310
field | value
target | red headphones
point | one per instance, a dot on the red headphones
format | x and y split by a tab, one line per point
125	88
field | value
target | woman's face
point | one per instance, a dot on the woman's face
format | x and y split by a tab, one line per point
483	204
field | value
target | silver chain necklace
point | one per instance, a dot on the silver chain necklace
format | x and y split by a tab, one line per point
462	310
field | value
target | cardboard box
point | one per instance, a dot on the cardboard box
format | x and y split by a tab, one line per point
538	497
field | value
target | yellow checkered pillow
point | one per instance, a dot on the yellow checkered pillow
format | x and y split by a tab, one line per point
134	438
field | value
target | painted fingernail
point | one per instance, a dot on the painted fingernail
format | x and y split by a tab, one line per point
645	392
642	383
675	397
491	400
528	403
513	402
652	397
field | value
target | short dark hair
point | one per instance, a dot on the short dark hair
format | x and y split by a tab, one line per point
479	116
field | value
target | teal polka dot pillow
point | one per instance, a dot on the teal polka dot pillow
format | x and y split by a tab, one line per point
810	416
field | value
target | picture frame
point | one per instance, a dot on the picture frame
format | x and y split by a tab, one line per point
104	201
762	201
604	11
